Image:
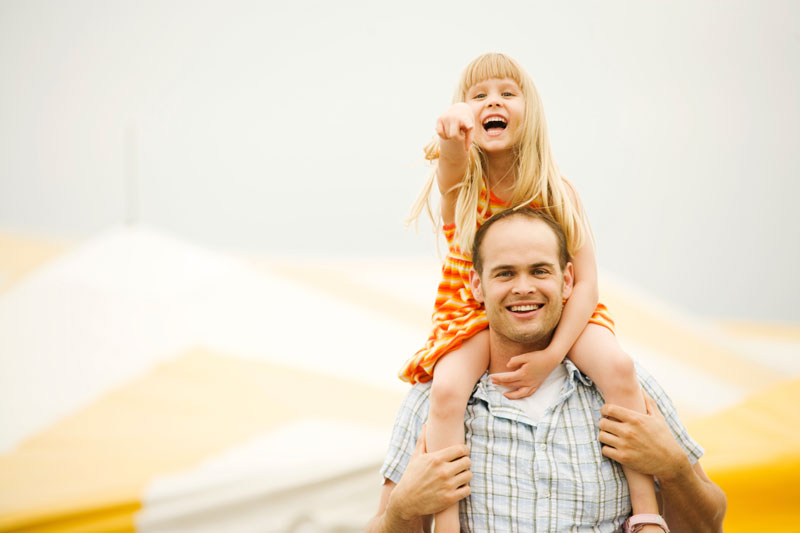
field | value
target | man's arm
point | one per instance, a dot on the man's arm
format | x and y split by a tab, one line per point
431	483
691	501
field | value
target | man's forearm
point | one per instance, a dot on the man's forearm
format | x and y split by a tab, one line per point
692	502
395	515
390	522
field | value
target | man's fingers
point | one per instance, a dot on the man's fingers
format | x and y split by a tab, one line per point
617	411
610	452
461	493
651	406
451	453
462	478
609	439
461	464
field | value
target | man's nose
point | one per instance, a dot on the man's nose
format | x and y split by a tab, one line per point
524	285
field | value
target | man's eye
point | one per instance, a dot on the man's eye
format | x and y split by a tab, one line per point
540	272
504	274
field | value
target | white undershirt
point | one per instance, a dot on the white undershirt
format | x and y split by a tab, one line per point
537	403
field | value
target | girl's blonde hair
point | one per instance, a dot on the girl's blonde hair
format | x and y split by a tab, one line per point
538	179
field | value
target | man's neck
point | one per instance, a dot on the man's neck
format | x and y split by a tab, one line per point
501	350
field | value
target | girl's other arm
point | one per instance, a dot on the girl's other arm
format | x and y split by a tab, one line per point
581	304
454	128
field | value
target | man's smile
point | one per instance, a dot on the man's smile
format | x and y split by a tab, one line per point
524	310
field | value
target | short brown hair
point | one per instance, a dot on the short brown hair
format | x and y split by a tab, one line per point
529	212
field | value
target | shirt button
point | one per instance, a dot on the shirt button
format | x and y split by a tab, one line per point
545	493
543	446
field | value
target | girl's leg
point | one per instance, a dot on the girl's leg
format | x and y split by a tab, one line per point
598	355
455	375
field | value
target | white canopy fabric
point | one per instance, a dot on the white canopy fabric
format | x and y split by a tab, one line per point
149	384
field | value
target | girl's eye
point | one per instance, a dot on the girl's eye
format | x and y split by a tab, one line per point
508	94
479	95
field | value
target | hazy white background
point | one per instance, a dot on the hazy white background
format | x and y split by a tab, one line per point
298	127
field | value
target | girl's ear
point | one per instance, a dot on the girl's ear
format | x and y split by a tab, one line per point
475	285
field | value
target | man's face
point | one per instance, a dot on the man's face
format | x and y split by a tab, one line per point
522	285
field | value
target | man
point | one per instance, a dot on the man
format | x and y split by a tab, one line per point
536	464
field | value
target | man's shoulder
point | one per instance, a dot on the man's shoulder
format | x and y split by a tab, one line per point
416	400
650	385
419	391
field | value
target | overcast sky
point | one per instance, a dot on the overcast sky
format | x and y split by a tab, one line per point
298	127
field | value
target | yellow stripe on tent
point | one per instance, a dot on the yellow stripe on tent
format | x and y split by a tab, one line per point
753	453
89	471
21	255
649	328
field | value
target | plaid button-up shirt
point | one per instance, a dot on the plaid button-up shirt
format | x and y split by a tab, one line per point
548	476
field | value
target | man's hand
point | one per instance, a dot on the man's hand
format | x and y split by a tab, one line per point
691	501
432	482
641	441
529	370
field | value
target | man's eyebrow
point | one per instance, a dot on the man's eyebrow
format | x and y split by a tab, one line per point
497	268
538	264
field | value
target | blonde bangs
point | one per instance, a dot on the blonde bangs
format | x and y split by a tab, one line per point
489	66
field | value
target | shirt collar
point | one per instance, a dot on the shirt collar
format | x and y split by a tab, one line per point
501	407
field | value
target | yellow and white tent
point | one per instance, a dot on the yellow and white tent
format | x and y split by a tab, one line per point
147	384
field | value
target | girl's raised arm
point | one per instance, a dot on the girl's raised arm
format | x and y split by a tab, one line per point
455	129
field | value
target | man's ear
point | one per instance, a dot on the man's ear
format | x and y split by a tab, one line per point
569	280
475	285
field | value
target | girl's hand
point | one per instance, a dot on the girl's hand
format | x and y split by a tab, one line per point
456	124
531	370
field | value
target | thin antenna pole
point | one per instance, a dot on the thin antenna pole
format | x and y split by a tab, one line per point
131	174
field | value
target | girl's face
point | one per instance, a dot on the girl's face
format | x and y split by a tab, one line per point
499	109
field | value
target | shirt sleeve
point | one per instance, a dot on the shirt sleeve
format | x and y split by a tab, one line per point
407	427
692	449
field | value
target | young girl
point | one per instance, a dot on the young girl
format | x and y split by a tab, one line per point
493	153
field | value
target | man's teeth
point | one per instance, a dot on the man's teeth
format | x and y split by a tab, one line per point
524	308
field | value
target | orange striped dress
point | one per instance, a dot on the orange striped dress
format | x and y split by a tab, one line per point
457	316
